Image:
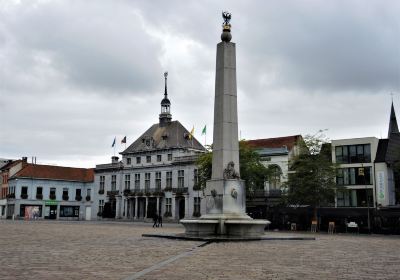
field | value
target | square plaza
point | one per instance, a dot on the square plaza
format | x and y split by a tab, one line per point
117	250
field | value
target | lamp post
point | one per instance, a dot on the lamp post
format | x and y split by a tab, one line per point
361	173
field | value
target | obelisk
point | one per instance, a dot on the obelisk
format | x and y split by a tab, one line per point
225	136
225	194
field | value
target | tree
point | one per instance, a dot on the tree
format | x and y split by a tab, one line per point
252	171
311	180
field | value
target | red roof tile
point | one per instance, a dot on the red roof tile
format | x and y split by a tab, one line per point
56	173
278	142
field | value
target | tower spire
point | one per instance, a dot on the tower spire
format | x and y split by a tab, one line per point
165	116
393	128
165	91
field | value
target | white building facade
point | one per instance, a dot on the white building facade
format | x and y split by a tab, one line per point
50	192
156	176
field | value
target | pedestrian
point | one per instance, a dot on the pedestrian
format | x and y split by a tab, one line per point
155	220
159	220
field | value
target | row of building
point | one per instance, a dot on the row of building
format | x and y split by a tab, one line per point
158	175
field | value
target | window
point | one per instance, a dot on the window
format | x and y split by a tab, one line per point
158	181
353	153
101	207
168	205
196	206
113	182
158	158
137	181
69	211
354	198
24	192
65	194
195	178
39	192
127	181
147	181
102	180
11	189
168	183
138	160
354	176
78	194
52	194
274	177
88	192
129	161
181	178
148	159
169	157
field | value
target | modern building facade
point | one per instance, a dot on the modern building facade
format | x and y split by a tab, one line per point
52	192
157	174
367	169
368	181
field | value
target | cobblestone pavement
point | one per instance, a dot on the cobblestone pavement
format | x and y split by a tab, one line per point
116	250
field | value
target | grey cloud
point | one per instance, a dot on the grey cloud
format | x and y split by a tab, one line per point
101	47
75	74
327	47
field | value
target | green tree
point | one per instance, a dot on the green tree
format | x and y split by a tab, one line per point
252	171
311	180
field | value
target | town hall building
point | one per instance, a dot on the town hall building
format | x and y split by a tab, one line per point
157	174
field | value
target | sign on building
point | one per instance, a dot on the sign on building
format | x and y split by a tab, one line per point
381	188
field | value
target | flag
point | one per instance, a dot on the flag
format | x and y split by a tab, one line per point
204	131
191	133
123	140
113	144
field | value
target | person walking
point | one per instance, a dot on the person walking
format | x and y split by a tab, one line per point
159	220
155	220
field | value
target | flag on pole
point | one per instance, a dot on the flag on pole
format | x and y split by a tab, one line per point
113	144
123	140
191	133
204	131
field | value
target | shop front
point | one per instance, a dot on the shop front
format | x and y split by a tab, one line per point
50	210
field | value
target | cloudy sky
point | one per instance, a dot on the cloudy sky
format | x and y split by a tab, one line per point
75	74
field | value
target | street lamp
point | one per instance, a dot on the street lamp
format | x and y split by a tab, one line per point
361	173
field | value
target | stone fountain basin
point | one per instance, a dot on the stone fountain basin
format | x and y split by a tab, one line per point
228	227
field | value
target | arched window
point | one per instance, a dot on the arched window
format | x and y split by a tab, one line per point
274	177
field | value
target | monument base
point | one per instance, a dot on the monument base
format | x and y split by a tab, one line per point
225	212
225	227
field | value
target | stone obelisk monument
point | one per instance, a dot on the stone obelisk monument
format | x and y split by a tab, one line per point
225	192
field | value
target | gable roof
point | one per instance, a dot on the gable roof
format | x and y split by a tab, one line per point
170	135
10	164
288	141
56	173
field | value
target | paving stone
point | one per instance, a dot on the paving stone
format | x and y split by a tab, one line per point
116	250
